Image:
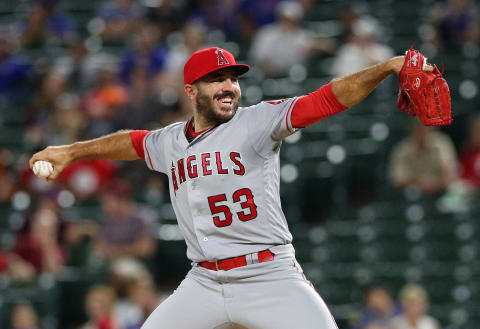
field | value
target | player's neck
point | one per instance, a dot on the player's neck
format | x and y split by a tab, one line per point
200	124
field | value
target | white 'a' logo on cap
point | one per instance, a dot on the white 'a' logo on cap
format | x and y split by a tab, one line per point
222	59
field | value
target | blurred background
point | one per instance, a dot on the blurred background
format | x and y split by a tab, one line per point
384	212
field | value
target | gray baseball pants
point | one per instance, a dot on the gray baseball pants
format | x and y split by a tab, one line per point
269	295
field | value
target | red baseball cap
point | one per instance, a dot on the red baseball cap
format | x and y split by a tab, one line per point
207	60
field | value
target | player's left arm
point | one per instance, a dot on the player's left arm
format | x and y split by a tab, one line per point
353	88
342	93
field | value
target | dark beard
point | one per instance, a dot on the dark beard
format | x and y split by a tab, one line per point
205	107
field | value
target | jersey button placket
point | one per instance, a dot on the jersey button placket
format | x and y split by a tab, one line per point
193	196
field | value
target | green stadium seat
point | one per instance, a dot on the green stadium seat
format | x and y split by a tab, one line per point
42	293
11	136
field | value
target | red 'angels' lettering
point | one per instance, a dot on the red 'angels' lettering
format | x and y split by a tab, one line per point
210	163
174	179
206	164
192	169
221	171
181	171
235	157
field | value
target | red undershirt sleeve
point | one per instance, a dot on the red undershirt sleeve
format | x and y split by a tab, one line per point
137	137
315	106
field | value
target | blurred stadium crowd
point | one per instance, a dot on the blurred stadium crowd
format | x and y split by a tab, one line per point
375	201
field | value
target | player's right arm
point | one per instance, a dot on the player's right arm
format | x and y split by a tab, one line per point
116	146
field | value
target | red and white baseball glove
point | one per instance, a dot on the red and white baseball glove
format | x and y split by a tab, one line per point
424	94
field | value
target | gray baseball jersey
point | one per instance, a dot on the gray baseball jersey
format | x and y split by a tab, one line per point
224	185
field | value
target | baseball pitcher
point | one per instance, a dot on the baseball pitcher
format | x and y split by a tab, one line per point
223	171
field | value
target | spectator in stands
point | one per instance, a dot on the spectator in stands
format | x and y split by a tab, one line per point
55	116
242	24
415	304
67	121
426	160
126	229
143	110
147	55
8	185
170	82
3	261
237	19
19	270
144	295
169	15
121	18
194	37
72	64
470	157
456	22
135	284
46	27
39	246
155	192
24	316
279	46
123	272
216	17
78	236
87	178
362	48
379	310
42	106
99	307
102	103
15	71
347	16
81	65
262	12
44	102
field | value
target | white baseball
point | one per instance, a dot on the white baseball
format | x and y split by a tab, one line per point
42	169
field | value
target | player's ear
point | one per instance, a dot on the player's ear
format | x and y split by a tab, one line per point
191	91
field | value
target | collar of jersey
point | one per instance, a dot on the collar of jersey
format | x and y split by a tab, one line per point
190	131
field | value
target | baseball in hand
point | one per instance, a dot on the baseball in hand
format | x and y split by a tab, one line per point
42	169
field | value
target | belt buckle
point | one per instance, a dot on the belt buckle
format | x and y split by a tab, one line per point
216	265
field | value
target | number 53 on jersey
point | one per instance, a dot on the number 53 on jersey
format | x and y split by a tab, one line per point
243	196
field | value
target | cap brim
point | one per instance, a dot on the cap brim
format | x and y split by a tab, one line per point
239	68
